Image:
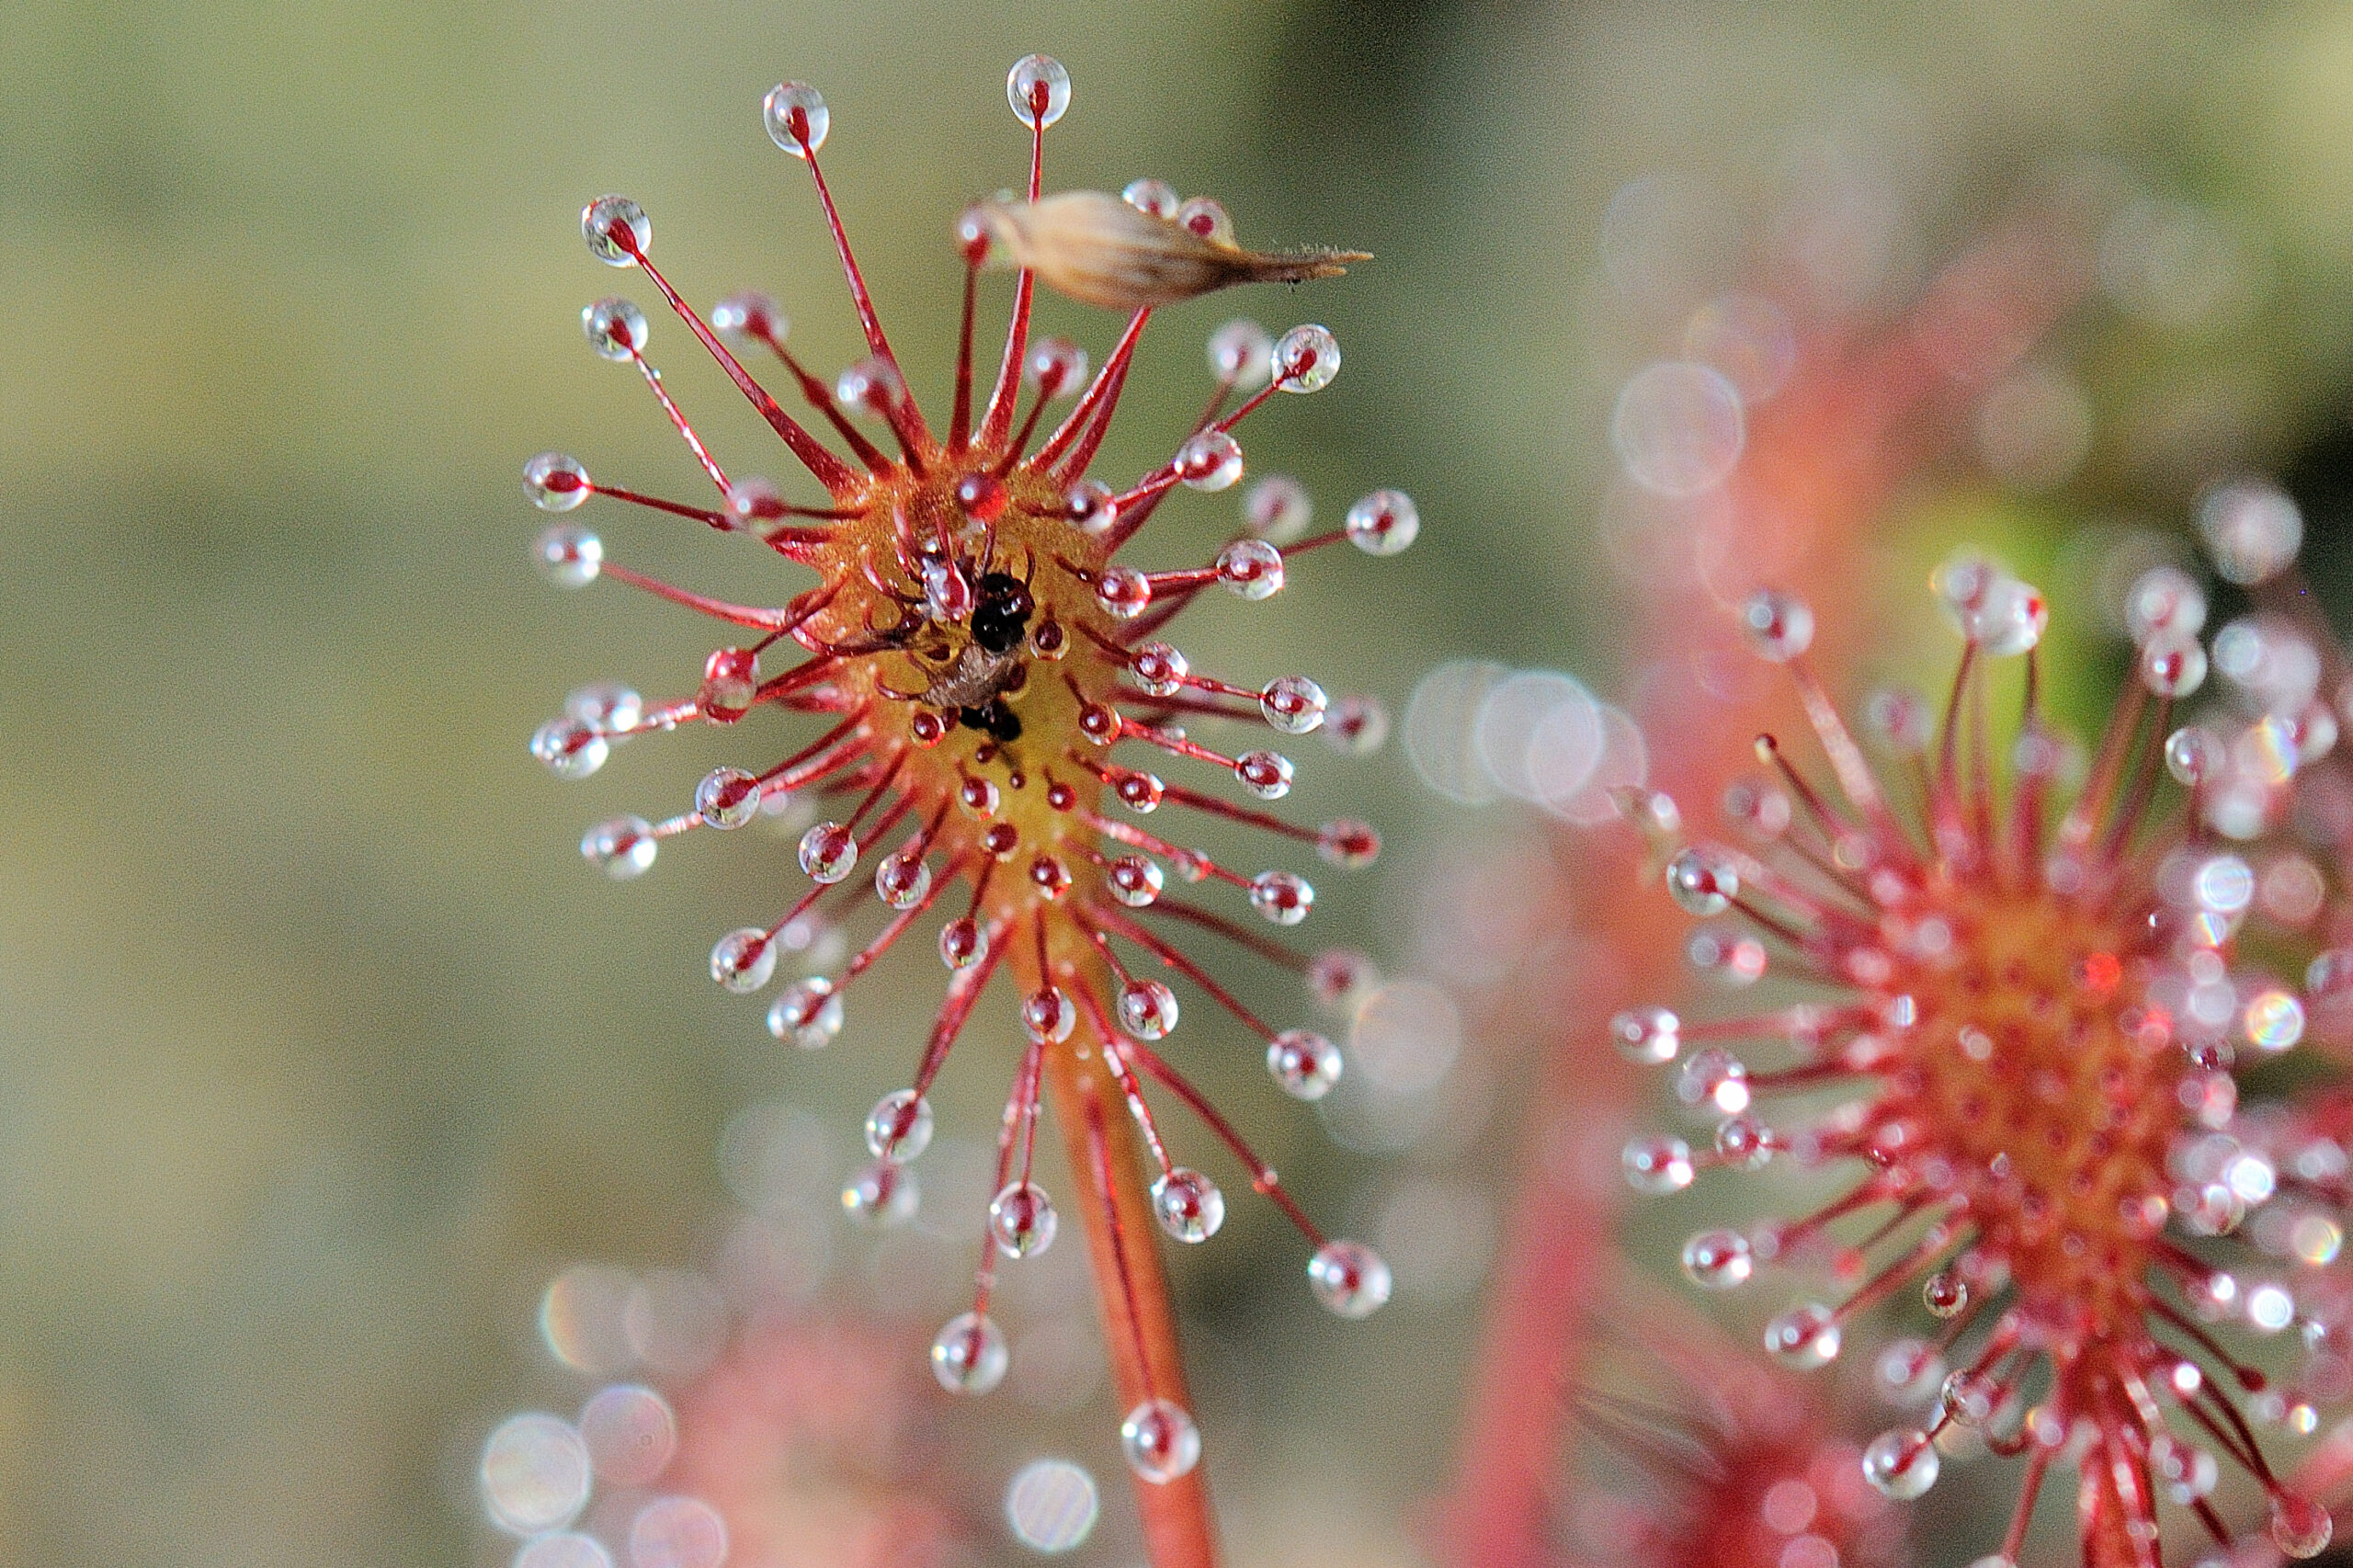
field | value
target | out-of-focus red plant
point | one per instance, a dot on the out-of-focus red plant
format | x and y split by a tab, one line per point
1862	408
1708	1457
811	1438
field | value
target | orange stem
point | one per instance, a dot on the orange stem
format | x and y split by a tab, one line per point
1130	1288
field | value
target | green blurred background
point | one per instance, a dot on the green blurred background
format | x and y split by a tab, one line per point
319	1053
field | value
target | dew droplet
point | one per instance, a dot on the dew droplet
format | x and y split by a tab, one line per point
2172	666
1135	881
617	230
2013	619
1159	668
569	748
1383	523
555	482
796	117
2300	1527
1970	1398
1022	1218
828	852
1342	978
616	329
1278	508
1780	625
1056	367
727	797
1306	359
1657	1166
1091	507
1303	1063
1123	592
1242	354
1206	217
1156	197
2193	755
1743	1143
1713	1078
1717	1259
743	959
568	555
1350	1278
969	1355
872	384
899	1126
1357	726
882	1195
1347	842
2252	530
1901	719
962	942
607	705
1049	1016
1805	1337
1140	793
807	1013
2164	601
1703	880
1265	773
1901	1463
621	848
731	683
750	313
1160	1441
979	797
1908	1371
1282	897
1211	460
901	883
752	503
1188	1204
1039	89
1147	1009
1251	567
1292	704
1651	1035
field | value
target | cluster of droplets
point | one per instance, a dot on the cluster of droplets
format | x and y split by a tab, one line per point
968	587
1970	962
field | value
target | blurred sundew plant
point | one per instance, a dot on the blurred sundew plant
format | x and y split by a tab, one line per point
2044	1012
976	658
1704	519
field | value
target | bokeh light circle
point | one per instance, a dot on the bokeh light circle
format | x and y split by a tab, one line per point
1050	1505
535	1473
1678	428
630	1434
678	1532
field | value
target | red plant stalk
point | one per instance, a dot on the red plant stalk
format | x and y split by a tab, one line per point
1139	1318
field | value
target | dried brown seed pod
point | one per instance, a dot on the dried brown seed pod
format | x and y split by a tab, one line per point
1096	248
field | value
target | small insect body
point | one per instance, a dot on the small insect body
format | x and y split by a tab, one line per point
1001	613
